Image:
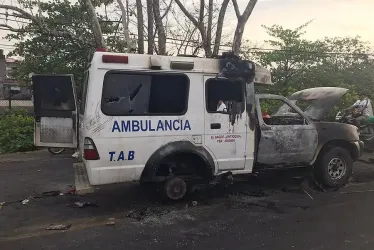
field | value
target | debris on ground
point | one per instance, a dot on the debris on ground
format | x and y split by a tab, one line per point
25	201
75	155
59	227
145	212
358	191
80	204
368	161
111	222
254	193
194	203
307	193
71	191
138	215
51	193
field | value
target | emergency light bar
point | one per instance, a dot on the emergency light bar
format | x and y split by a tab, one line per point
115	59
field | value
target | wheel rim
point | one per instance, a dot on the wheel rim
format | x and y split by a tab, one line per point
337	168
176	188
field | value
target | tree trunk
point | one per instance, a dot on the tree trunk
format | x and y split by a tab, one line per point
210	23
140	20
98	34
221	18
237	42
199	24
242	21
151	40
160	28
130	45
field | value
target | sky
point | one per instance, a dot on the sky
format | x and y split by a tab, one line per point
331	18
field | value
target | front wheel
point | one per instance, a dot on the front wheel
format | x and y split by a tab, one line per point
334	167
56	151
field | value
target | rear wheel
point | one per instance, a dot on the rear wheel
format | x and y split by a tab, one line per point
175	188
334	167
179	173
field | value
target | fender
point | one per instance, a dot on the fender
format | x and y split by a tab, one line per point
171	148
354	148
337	134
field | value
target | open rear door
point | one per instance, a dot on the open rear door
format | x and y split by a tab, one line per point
55	110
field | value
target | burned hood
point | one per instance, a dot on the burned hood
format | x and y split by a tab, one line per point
320	100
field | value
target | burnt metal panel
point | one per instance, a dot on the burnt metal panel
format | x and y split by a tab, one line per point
328	131
285	144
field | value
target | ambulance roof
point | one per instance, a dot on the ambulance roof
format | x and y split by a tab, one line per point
121	61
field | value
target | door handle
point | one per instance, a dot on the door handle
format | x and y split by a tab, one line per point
215	125
268	134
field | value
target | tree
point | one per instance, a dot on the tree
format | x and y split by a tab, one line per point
151	40
242	21
60	39
297	63
292	55
301	63
125	24
98	34
140	21
204	23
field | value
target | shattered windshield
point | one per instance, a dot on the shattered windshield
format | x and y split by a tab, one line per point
304	105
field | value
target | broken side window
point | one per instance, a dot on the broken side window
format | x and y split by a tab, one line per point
53	93
144	94
278	112
224	96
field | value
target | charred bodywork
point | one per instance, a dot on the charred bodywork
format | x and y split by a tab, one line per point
292	136
318	101
338	134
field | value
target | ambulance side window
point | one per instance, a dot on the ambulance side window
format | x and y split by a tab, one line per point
224	96
144	94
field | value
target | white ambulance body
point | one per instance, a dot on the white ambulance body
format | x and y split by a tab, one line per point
154	119
127	133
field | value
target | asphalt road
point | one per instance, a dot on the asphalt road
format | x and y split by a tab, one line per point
273	213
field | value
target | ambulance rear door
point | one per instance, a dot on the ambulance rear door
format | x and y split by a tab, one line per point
55	110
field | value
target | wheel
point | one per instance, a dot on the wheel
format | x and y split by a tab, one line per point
56	151
175	188
334	167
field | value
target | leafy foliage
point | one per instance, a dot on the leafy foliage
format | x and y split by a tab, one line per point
17	130
44	52
297	63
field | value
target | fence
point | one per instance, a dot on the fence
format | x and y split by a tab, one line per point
6	105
